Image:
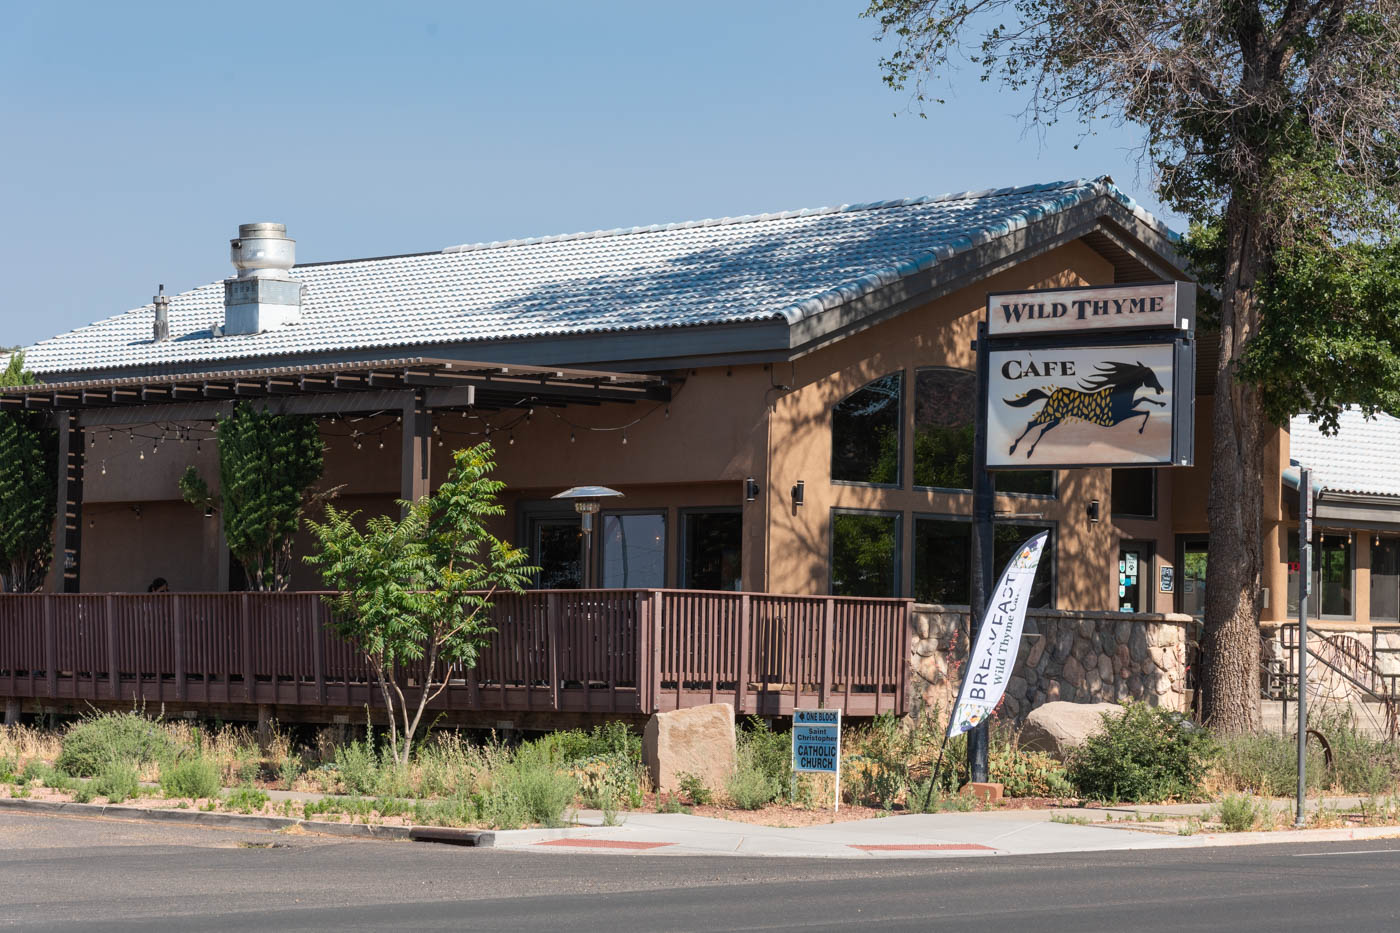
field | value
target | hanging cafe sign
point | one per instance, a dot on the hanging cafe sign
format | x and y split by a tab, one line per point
1091	377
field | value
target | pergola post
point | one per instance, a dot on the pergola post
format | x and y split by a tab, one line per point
417	450
68	516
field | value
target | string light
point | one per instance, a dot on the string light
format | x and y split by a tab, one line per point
104	467
624	437
512	439
143	453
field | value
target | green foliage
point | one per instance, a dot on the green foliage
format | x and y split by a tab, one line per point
130	738
414	594
544	792
1239	814
1145	755
289	770
862	554
693	786
671	803
195	777
878	775
28	488
357	763
117	780
751	786
266	464
246	799
1027	774
7	769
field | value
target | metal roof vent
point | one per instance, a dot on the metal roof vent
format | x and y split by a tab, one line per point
263	295
161	330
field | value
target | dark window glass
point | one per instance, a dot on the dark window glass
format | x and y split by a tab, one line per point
1331	575
865	433
864	554
713	551
557	551
1134	493
942	561
1192	577
945	402
634	549
1385	579
1008	537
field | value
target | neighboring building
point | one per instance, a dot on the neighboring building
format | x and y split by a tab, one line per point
804	393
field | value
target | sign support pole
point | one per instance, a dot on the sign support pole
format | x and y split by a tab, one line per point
983	564
1304	588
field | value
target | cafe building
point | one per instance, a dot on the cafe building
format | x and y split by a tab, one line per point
784	401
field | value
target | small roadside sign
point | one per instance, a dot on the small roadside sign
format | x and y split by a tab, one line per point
816	744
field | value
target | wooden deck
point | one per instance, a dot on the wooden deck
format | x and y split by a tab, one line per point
594	653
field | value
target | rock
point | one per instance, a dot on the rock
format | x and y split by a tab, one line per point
1037	649
1137	644
1085	628
1063	645
1016	688
1052	691
1055	728
1122	631
1072	672
1163	633
1089	661
698	741
1105	669
1093	682
1124	658
921	624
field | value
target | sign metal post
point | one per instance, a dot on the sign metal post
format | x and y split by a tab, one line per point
1304	590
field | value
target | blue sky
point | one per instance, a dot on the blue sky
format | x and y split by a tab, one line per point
138	136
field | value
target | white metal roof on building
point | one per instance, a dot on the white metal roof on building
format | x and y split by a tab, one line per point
765	267
1362	457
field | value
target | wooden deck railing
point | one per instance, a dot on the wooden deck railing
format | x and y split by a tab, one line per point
583	651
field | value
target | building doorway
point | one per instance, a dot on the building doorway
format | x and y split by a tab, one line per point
556	547
1191	569
1135	577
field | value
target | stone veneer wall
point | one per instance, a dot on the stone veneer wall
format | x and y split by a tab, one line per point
1082	657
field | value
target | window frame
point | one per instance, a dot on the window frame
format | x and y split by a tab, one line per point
682	515
898	516
1321	583
1052	545
1132	516
1379	539
600	548
900	439
914	548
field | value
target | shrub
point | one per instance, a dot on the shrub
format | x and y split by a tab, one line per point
193	777
1146	754
93	743
752	785
117	781
7	769
358	766
246	799
1239	814
1027	773
1361	764
610	778
289	770
544	793
693	786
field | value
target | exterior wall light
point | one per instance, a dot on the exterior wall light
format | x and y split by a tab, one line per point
750	489
799	491
1093	511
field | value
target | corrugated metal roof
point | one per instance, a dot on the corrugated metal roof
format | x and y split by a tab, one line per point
765	267
1362	457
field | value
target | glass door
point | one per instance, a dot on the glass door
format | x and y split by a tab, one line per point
556	547
1134	577
1192	571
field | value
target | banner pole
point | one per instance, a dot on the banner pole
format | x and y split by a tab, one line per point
933	775
983	563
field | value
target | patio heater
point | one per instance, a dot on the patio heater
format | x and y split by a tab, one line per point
587	502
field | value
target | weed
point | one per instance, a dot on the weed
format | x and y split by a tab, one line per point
117	781
92	744
246	799
670	803
7	769
693	786
191	777
358	766
1072	819
1238	813
289	770
544	792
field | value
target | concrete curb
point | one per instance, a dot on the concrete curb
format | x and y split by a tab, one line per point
476	838
1340	834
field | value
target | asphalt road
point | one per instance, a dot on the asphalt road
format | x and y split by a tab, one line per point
59	874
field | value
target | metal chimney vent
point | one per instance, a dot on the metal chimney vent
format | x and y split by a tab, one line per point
263	295
161	328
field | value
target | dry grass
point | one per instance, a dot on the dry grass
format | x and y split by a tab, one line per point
24	744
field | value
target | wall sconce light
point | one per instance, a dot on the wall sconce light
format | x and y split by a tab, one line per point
799	492
1094	510
137	510
750	489
208	511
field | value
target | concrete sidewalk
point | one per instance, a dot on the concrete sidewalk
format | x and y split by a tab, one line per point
941	835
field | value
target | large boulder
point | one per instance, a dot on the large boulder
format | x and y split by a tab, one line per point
1055	728
698	741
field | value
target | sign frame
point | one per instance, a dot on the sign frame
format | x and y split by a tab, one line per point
823	724
1182	318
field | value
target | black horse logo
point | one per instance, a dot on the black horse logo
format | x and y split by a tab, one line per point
1106	398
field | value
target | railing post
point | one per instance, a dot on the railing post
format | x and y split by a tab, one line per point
828	649
741	686
318	649
177	632
551	622
641	663
114	676
658	625
245	625
50	647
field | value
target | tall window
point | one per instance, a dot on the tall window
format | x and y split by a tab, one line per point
712	553
1008	536
1332	575
864	554
942	561
945	403
865	433
634	549
1385	579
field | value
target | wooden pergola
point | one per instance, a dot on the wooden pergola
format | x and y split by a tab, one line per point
414	387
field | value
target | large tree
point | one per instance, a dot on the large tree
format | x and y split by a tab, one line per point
1272	122
28	488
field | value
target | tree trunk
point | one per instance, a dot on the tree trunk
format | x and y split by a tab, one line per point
1230	653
